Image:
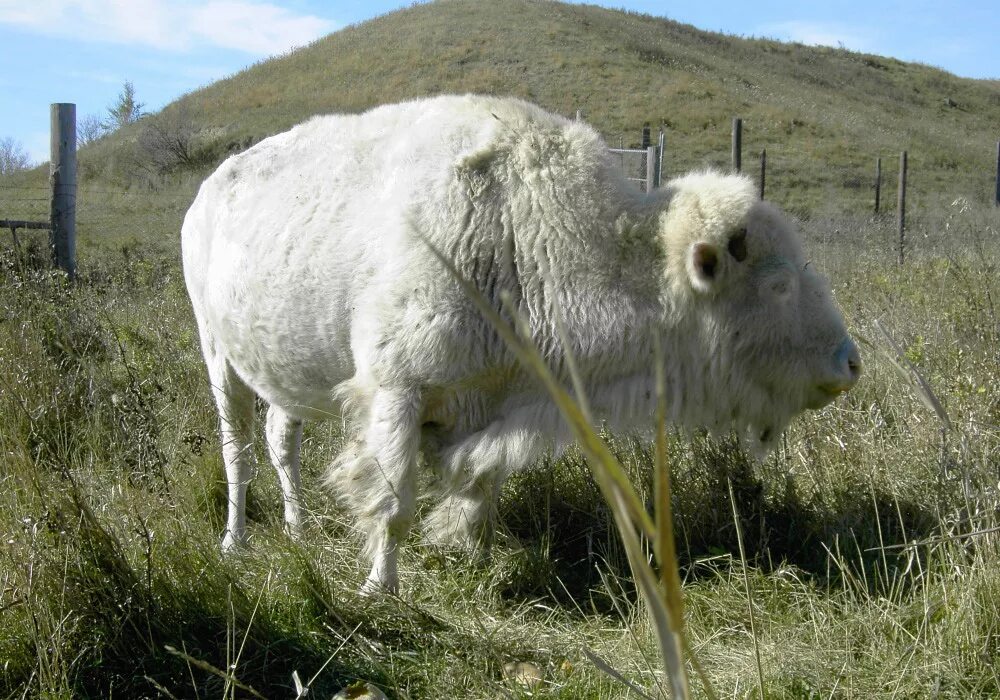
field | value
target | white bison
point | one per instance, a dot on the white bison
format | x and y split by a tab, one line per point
314	287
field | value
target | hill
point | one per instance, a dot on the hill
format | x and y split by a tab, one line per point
823	114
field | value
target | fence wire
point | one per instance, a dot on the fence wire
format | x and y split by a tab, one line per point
793	179
632	163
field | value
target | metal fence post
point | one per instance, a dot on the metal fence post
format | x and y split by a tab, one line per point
901	205
878	183
659	161
763	170
996	201
650	168
737	144
62	178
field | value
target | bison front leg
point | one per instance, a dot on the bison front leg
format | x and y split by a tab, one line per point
376	477
473	470
463	518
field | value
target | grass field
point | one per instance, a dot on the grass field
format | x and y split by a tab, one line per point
870	542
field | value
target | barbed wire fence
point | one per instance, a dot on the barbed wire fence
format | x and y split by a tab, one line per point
864	186
25	211
103	214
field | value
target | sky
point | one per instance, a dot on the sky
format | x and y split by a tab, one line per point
83	51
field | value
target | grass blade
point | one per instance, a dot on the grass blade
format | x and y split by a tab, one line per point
626	507
906	369
606	668
665	549
746	584
532	360
205	666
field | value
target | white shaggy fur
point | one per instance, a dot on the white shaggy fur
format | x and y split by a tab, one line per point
313	288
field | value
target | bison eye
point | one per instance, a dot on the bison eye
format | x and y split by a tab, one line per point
738	245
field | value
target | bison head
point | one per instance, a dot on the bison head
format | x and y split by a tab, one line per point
768	339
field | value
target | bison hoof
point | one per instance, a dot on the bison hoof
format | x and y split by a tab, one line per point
373	587
232	543
293	531
471	547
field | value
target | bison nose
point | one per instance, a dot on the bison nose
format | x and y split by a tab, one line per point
846	368
849	360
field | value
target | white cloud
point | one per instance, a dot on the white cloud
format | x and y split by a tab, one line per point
256	28
95	76
32	15
820	34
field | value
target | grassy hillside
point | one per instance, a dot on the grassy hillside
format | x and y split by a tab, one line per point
823	114
870	535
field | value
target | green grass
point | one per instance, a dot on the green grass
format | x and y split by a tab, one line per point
865	579
866	576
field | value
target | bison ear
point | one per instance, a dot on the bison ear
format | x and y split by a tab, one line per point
704	266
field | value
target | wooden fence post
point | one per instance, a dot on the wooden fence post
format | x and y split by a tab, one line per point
763	170
878	183
737	144
650	168
62	178
901	205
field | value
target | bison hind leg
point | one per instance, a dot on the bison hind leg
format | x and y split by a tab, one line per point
235	402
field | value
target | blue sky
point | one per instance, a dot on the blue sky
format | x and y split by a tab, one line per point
82	51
